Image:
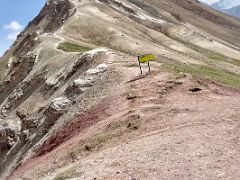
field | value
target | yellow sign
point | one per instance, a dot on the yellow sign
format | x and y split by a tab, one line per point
146	58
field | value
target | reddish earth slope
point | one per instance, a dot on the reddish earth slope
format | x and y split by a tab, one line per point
73	103
156	127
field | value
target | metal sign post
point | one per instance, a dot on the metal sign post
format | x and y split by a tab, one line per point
145	58
149	67
140	65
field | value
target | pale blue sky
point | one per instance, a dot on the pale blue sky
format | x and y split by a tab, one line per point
14	16
209	1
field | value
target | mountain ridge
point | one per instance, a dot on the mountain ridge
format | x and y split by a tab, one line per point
226	4
234	11
73	103
229	7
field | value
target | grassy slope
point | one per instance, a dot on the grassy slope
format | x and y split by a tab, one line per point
70	47
212	73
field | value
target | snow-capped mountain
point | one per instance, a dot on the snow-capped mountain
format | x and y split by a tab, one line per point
231	7
226	4
233	11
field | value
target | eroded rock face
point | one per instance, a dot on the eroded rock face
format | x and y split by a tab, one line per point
21	92
23	79
81	84
7	138
28	42
60	104
17	74
54	13
78	87
99	69
56	109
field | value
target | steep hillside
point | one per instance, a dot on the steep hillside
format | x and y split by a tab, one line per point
74	105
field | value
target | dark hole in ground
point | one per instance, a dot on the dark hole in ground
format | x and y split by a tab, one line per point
87	148
195	89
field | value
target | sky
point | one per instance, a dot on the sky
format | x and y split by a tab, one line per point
209	1
14	16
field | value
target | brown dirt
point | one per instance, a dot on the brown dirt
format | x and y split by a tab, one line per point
177	126
155	127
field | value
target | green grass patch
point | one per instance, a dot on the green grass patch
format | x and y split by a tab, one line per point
221	76
70	47
217	57
234	62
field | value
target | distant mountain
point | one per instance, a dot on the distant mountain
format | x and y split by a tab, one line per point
231	7
226	4
233	11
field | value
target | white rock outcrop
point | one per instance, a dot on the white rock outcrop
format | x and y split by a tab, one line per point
99	69
61	103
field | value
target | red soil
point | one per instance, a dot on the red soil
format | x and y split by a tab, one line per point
82	121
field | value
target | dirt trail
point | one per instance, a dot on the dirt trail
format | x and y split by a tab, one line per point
163	130
121	125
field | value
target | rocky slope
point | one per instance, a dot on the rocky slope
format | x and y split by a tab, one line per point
73	104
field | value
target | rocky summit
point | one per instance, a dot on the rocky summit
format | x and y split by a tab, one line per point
74	105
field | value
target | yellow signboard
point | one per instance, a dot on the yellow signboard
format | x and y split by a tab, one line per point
146	58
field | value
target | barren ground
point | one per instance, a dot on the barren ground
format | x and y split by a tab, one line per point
154	128
180	122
